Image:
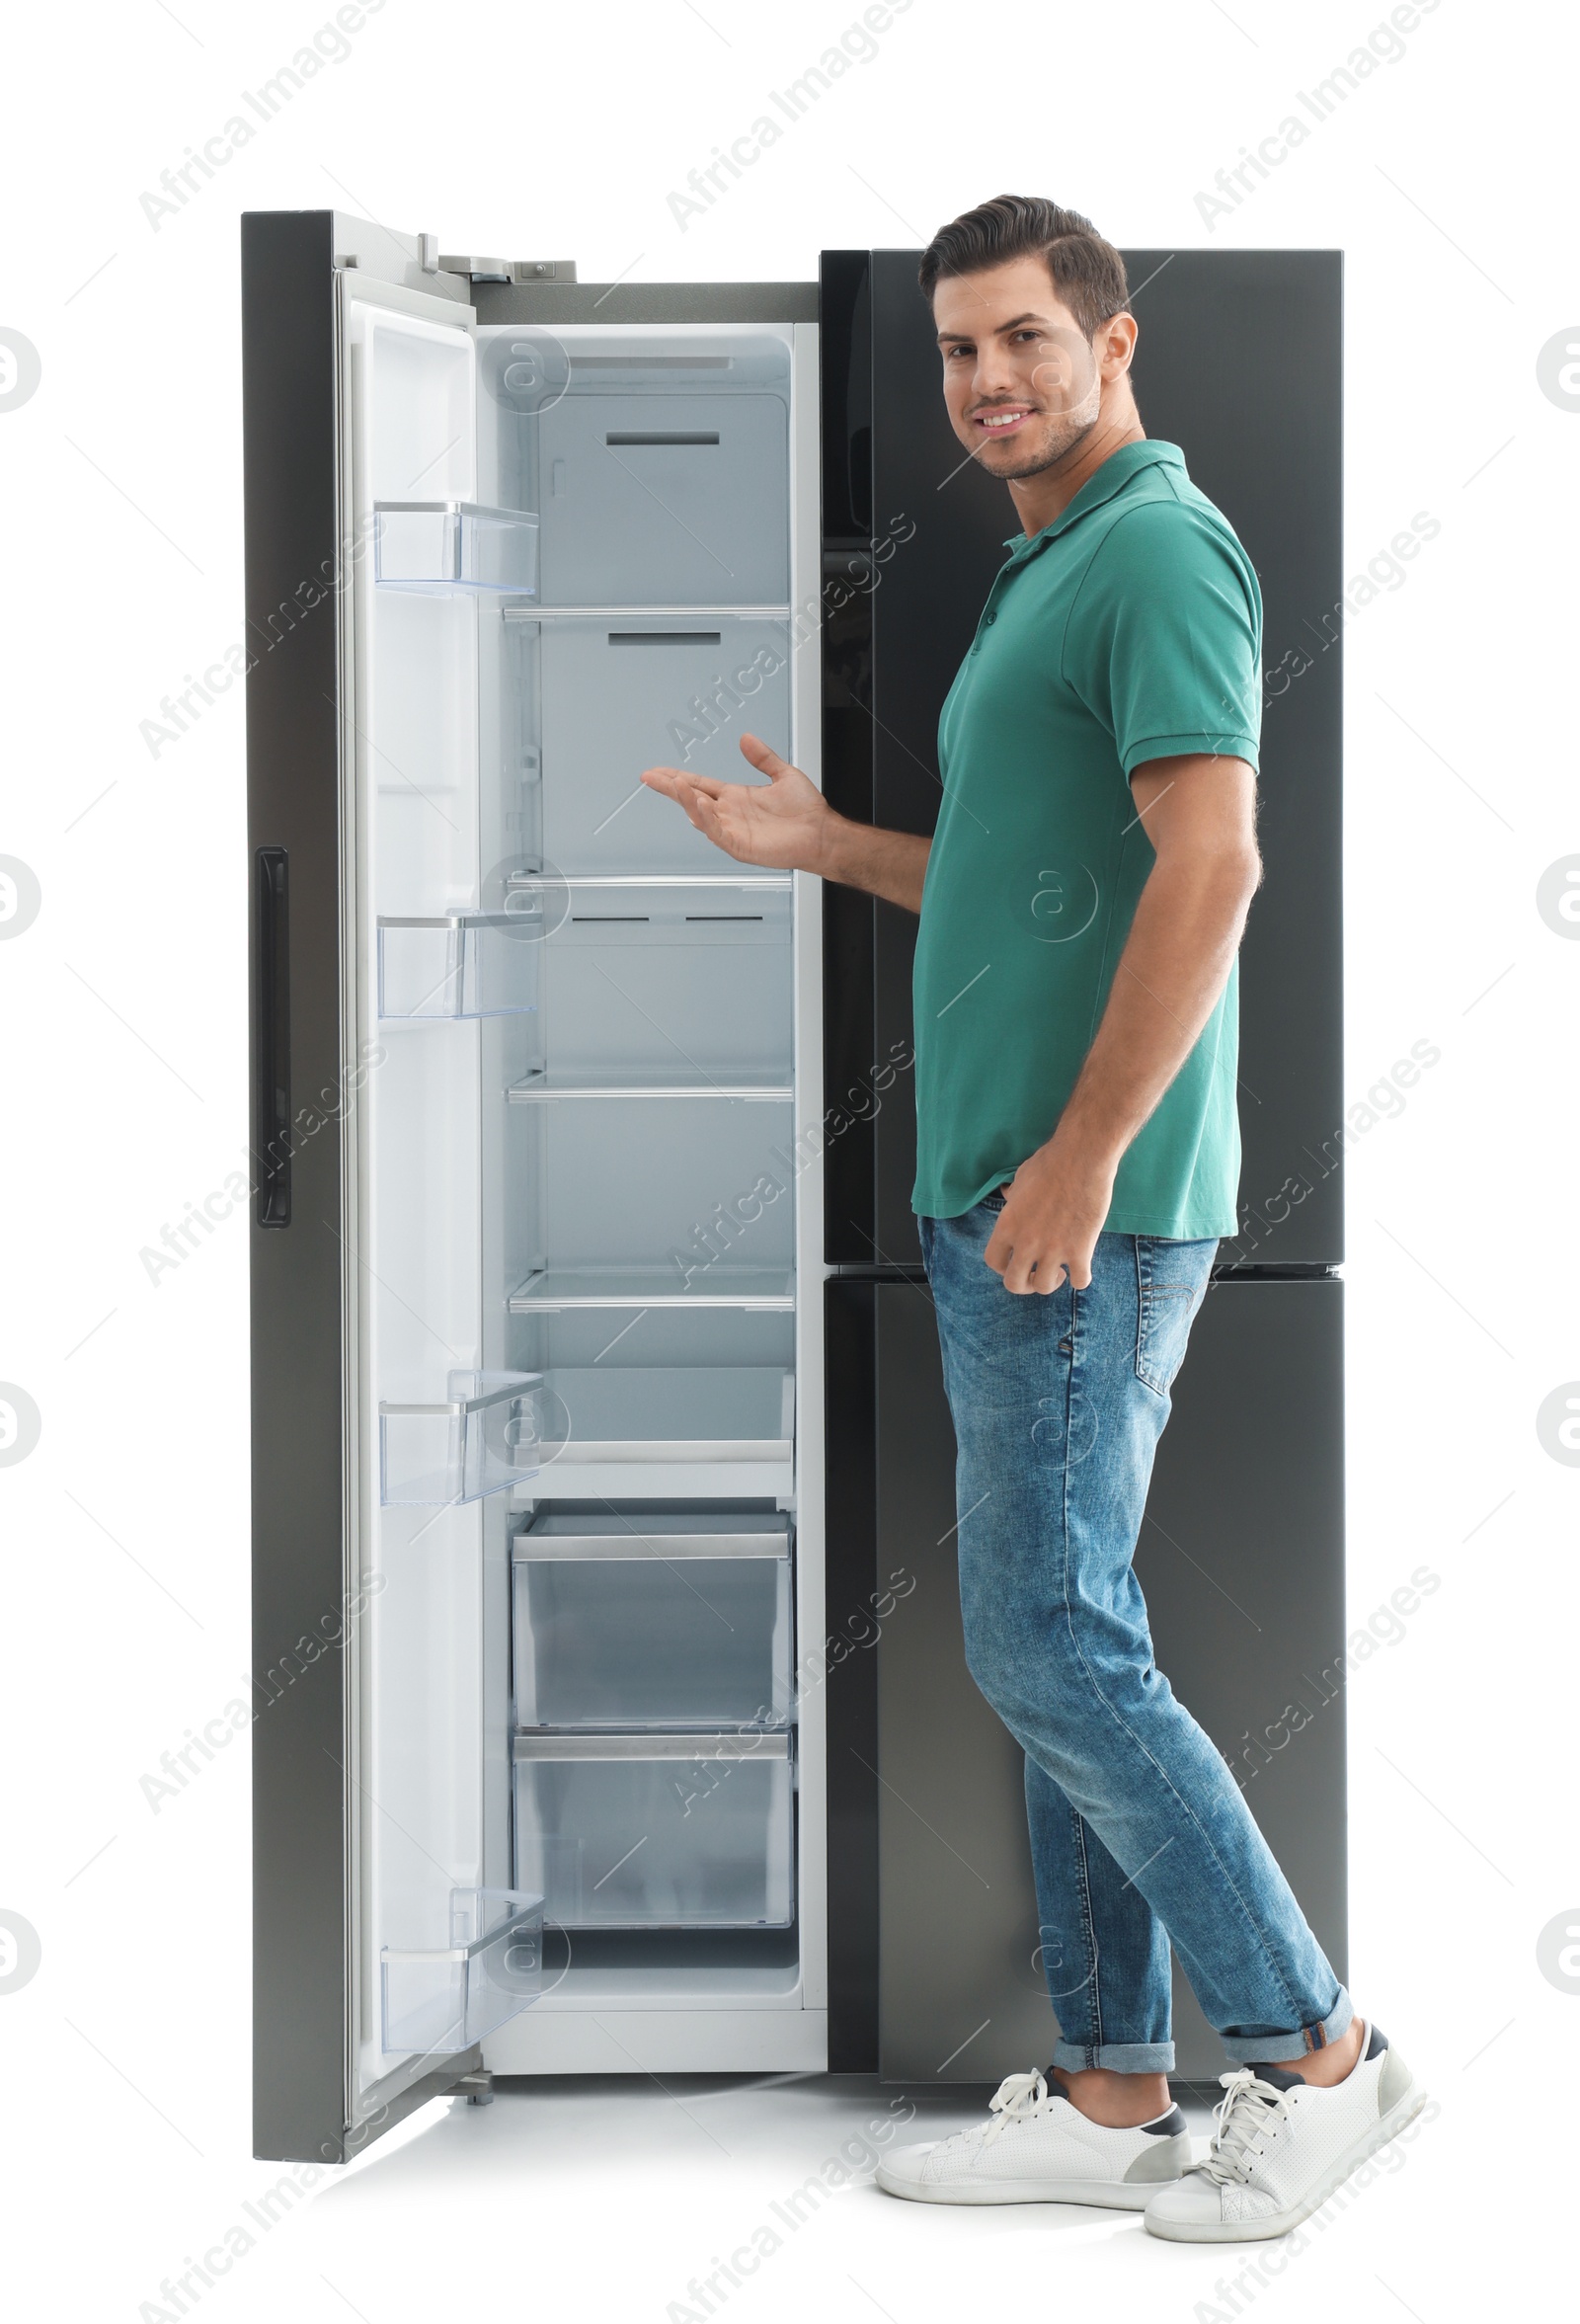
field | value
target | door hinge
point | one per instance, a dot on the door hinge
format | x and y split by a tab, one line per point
511	270
477	2089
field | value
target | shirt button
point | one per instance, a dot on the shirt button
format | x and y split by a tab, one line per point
993	616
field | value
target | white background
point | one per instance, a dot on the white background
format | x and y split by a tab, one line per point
1448	179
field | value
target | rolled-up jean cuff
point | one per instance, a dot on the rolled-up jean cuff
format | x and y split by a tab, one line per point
1275	2049
1117	2057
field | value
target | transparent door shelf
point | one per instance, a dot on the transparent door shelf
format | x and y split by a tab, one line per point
459	964
658	1832
443	2000
742	1084
672	1619
454	549
483	1438
554	1290
671	1413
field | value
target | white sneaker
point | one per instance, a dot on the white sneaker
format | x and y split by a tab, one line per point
1039	2148
1280	2147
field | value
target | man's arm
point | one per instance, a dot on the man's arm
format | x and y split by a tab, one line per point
787	824
1201	817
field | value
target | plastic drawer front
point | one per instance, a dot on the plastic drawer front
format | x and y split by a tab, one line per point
671	1619
657	1831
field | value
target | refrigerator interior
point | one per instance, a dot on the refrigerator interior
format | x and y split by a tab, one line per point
584	1199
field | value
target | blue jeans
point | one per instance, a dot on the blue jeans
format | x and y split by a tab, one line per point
1139	1836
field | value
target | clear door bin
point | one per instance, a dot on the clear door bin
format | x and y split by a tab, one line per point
658	1832
438	2001
674	1618
485	1437
459	964
453	548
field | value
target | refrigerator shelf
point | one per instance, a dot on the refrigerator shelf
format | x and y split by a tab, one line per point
667	1415
539	1088
454	549
648	612
480	1439
555	1290
670	879
653	1533
439	2000
459	964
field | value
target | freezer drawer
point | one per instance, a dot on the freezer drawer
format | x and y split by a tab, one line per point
666	1619
688	1831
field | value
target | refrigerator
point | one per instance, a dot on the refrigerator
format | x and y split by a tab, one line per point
609	1711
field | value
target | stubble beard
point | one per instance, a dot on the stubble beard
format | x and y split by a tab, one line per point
1065	431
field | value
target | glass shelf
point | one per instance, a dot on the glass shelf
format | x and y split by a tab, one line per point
438	2001
481	1440
761	1290
676	1414
459	965
742	1084
454	549
657	1830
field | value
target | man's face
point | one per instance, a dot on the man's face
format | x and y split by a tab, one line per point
1021	384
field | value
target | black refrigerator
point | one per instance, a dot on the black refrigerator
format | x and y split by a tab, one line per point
610	1713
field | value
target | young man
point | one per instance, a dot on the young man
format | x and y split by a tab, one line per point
1094	860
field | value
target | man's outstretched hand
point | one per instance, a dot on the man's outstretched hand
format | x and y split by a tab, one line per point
784	823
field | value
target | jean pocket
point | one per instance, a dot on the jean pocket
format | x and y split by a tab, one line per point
1171	1280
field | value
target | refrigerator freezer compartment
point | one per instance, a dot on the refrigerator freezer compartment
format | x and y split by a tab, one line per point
672	1413
624	692
441	2000
657	1830
480	1439
665	1618
454	549
461	964
665	500
554	1290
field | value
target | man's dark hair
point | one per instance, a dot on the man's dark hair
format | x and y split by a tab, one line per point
1088	273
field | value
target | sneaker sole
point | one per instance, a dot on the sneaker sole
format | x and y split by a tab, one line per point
1107	2194
1402	2112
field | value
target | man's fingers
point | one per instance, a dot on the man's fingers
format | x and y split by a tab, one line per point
766	762
675	784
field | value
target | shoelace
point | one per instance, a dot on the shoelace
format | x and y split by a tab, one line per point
1019	2098
1248	2108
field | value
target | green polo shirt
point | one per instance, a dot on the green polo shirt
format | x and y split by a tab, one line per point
1129	629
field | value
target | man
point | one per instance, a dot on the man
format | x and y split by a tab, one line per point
1081	906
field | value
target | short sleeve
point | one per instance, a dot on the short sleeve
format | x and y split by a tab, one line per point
1164	639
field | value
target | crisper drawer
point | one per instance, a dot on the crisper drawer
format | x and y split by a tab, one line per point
671	1617
657	1830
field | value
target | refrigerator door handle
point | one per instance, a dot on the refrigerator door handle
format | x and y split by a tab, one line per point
272	1037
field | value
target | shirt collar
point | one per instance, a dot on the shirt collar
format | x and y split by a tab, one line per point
1109	479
